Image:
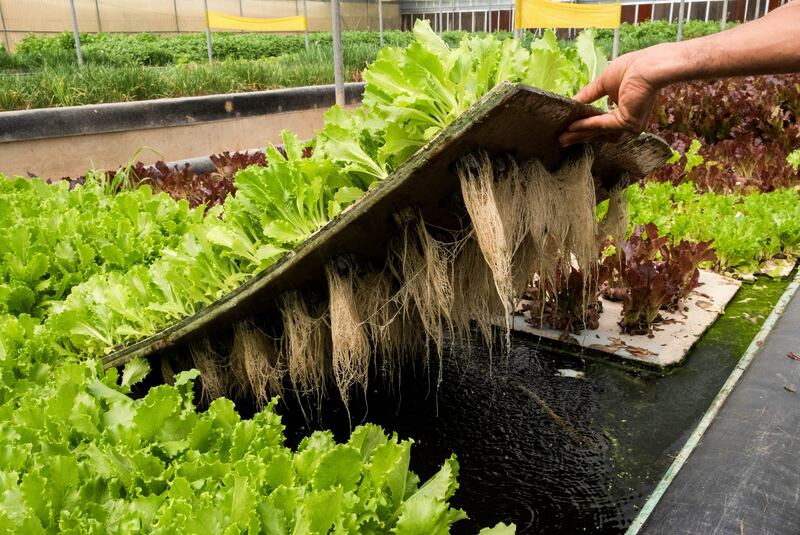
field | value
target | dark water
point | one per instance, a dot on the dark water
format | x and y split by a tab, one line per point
550	453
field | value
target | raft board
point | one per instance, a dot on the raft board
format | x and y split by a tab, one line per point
668	344
513	119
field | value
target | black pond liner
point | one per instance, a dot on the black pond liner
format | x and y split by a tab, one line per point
552	454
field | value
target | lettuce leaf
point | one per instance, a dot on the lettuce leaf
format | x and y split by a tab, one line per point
82	456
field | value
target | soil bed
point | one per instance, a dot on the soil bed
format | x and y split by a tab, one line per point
552	453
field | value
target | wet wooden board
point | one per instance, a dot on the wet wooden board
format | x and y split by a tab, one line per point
512	119
671	340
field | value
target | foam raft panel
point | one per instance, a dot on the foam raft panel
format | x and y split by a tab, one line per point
512	119
671	340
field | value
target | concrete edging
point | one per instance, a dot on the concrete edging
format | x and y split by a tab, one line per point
25	125
66	142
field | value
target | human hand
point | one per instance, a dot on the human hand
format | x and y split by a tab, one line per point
628	85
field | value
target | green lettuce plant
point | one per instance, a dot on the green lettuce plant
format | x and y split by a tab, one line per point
746	229
794	159
81	456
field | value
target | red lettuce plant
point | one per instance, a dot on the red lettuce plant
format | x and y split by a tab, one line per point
681	263
649	275
228	163
568	302
182	182
766	107
744	163
747	127
208	189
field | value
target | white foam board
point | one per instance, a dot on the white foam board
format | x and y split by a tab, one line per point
671	339
776	268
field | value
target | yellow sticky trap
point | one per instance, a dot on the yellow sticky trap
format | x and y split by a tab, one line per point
223	21
549	14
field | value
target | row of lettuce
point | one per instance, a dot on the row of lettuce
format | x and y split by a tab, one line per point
94	266
729	202
80	456
738	134
127	67
148	49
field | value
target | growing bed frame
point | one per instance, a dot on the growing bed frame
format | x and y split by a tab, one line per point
513	119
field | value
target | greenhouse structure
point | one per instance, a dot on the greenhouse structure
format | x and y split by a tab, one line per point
495	15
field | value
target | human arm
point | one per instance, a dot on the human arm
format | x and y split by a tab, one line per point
769	45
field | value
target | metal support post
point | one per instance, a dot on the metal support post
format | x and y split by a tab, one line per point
369	20
724	15
175	9
209	45
708	9
636	14
514	23
75	33
241	9
338	61
305	14
615	45
671	6
97	12
681	8
5	30
380	20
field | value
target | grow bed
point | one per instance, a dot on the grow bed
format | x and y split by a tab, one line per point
671	340
513	119
552	453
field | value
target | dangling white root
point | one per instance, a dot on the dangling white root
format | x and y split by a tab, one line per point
422	264
305	345
495	203
615	223
255	365
212	372
350	357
